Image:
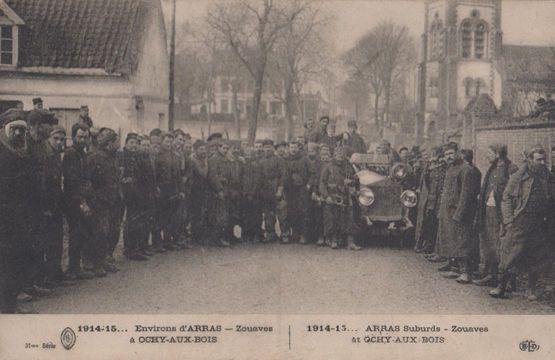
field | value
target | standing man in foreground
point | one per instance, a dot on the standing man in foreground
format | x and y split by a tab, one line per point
526	202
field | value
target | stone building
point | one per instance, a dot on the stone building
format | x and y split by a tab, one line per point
463	58
109	55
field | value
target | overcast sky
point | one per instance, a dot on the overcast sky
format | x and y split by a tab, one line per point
523	22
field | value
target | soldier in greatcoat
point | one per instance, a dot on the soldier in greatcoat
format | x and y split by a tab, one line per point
527	209
295	183
74	184
336	185
272	188
103	199
168	182
488	216
219	174
15	210
54	205
313	222
199	195
457	210
251	184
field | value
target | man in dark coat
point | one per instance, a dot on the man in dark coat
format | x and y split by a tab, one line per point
219	174
135	198
40	123
199	195
73	167
526	205
251	184
319	131
313	222
353	139
430	190
236	162
155	137
53	230
457	210
102	201
295	183
84	116
336	184
272	188
15	214
282	153
168	181
489	217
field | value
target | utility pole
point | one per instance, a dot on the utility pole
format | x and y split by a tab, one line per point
171	117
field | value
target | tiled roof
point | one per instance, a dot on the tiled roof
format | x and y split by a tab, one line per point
530	64
92	34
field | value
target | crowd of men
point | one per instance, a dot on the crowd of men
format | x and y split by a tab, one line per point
165	191
493	228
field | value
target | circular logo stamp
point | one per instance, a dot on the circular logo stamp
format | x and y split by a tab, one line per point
68	338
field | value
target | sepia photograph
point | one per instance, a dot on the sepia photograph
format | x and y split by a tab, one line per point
276	158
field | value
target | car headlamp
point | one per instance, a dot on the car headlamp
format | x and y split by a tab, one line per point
366	197
409	198
399	171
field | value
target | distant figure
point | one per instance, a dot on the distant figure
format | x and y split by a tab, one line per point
37	104
84	116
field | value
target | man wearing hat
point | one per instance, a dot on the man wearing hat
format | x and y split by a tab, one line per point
15	183
40	124
135	198
353	139
73	166
219	175
84	116
102	200
54	204
37	104
199	195
272	188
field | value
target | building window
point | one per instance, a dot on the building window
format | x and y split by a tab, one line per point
7	51
434	87
473	35
479	85
224	106
479	40
466	38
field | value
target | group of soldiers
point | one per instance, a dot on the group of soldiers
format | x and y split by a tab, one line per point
493	228
165	191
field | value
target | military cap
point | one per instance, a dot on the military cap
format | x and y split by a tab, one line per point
37	101
12	115
155	132
106	136
57	129
214	136
267	142
198	144
131	136
281	144
451	146
84	107
178	132
352	124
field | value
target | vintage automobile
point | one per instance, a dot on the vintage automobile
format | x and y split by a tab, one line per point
384	197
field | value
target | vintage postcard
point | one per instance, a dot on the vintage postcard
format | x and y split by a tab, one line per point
277	179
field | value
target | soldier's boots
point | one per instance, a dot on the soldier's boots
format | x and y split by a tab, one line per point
334	243
110	268
136	256
36	290
321	241
256	239
351	244
99	271
488	280
464	278
303	240
82	274
24	297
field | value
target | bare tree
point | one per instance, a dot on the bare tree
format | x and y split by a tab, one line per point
380	57
299	55
250	28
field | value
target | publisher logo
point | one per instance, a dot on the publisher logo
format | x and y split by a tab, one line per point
528	345
68	338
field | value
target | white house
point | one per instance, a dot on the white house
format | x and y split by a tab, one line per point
109	55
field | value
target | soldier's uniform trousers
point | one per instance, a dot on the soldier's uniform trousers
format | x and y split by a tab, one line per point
77	239
489	242
251	213
429	230
269	208
282	216
218	218
297	202
12	276
524	247
54	235
199	230
338	222
234	204
313	221
103	226
136	225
